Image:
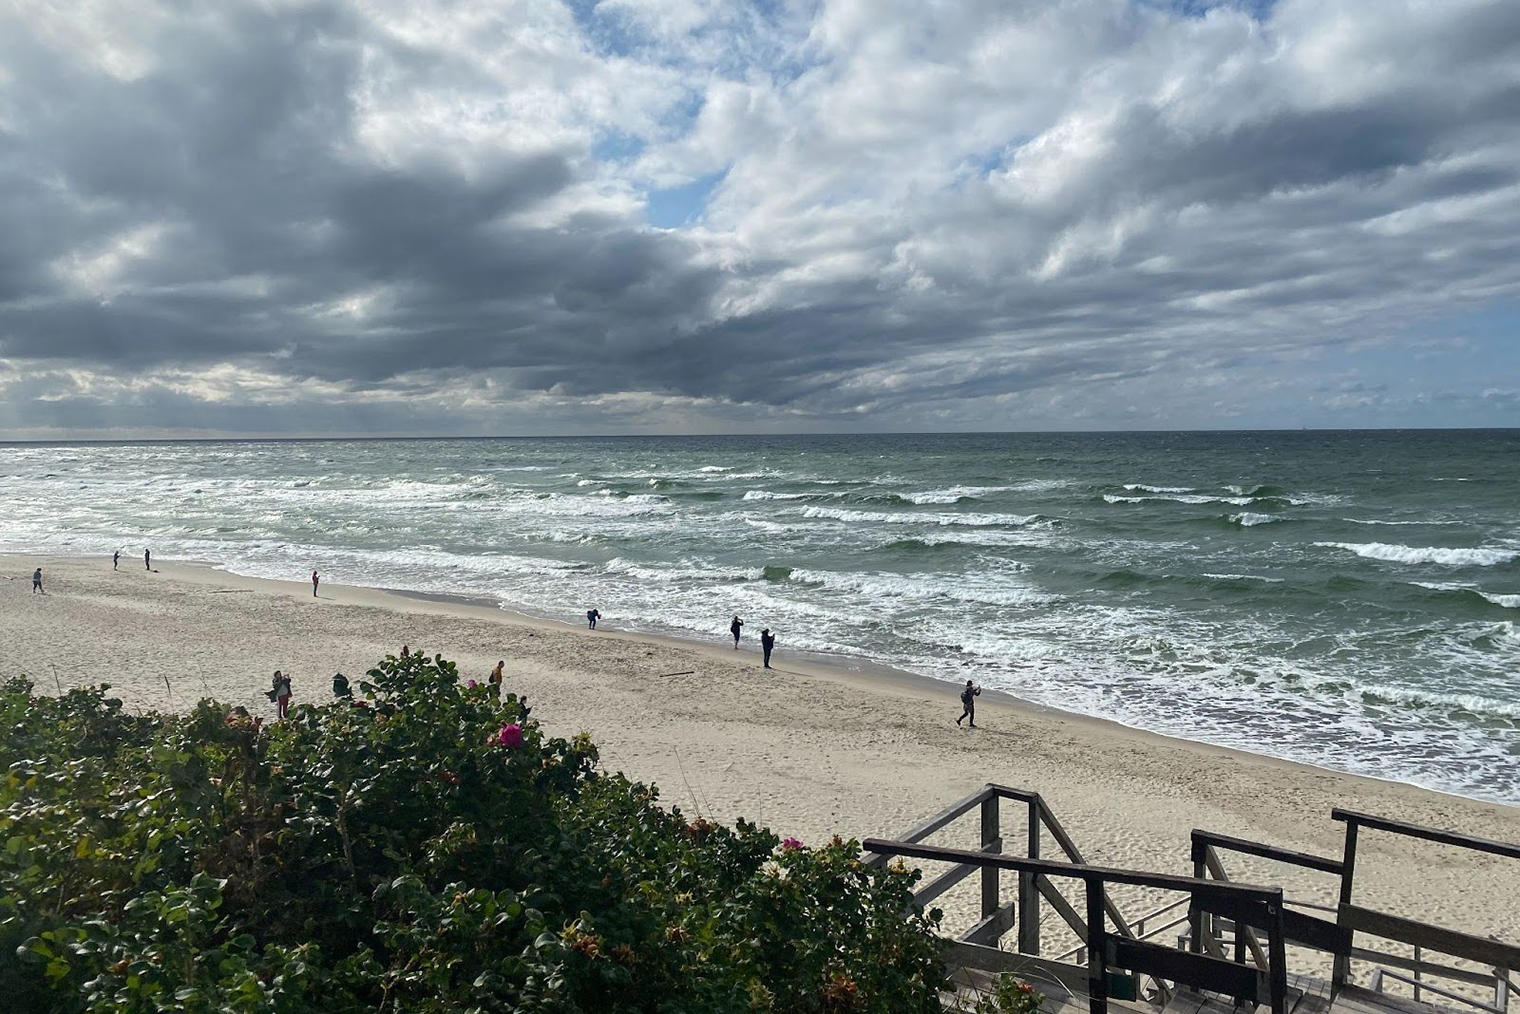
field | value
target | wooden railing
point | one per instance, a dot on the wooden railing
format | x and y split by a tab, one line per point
1337	936
1500	957
1237	934
1109	954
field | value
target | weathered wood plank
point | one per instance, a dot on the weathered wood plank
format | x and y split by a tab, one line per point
1197	970
1436	938
993	926
1436	968
1026	966
1466	841
937	821
1048	817
1062	906
1264	851
1225	898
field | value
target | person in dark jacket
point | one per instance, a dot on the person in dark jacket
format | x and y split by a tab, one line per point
734	628
968	703
767	642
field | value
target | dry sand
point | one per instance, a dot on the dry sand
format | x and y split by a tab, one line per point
809	750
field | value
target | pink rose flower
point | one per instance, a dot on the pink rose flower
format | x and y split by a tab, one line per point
471	684
791	845
510	735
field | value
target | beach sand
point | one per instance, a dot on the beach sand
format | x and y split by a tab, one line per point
810	750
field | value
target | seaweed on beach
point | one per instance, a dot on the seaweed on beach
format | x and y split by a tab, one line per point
424	850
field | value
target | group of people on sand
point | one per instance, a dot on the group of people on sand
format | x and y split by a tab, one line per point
280	693
37	588
767	639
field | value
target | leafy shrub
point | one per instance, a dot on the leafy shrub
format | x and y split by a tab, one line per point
428	851
1009	995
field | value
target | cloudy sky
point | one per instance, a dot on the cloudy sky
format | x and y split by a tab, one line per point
531	216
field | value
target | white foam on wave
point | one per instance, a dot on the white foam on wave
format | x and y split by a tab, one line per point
685	570
1249	520
1143	488
765	494
1443	556
1245	577
1372	521
1507	601
952	494
1475	703
914	518
1237	501
981	589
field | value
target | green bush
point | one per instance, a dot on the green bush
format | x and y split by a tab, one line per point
423	853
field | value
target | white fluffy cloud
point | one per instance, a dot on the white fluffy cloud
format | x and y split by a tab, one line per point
382	216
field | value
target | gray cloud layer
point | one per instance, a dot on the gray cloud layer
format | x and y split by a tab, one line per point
316	217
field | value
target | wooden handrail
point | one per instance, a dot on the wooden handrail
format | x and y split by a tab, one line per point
1466	841
1264	851
1229	895
1435	938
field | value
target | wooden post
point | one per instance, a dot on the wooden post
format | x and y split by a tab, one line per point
1097	949
1342	969
990	839
1029	895
1195	914
1277	949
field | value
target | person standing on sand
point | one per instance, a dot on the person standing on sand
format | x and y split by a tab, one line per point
767	642
279	692
592	615
313	584
116	560
734	628
148	559
968	703
495	678
37	582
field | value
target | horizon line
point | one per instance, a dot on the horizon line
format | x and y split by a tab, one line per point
354	438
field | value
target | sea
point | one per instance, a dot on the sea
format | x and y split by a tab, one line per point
1346	599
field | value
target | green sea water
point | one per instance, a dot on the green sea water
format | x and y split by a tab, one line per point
1345	599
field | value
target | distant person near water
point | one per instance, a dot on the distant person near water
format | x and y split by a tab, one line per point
279	692
968	703
148	559
734	628
116	560
592	615
314	584
767	642
495	678
37	582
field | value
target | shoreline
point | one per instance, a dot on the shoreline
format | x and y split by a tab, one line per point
855	673
808	750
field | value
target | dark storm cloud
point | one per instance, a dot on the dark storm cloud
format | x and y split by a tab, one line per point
214	210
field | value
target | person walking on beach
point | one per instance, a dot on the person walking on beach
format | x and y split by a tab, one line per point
968	703
495	678
592	615
116	560
279	692
734	628
767	642
148	559
37	582
313	584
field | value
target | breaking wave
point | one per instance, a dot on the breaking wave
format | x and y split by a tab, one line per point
1426	554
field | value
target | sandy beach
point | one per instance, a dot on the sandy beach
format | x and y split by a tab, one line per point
809	749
